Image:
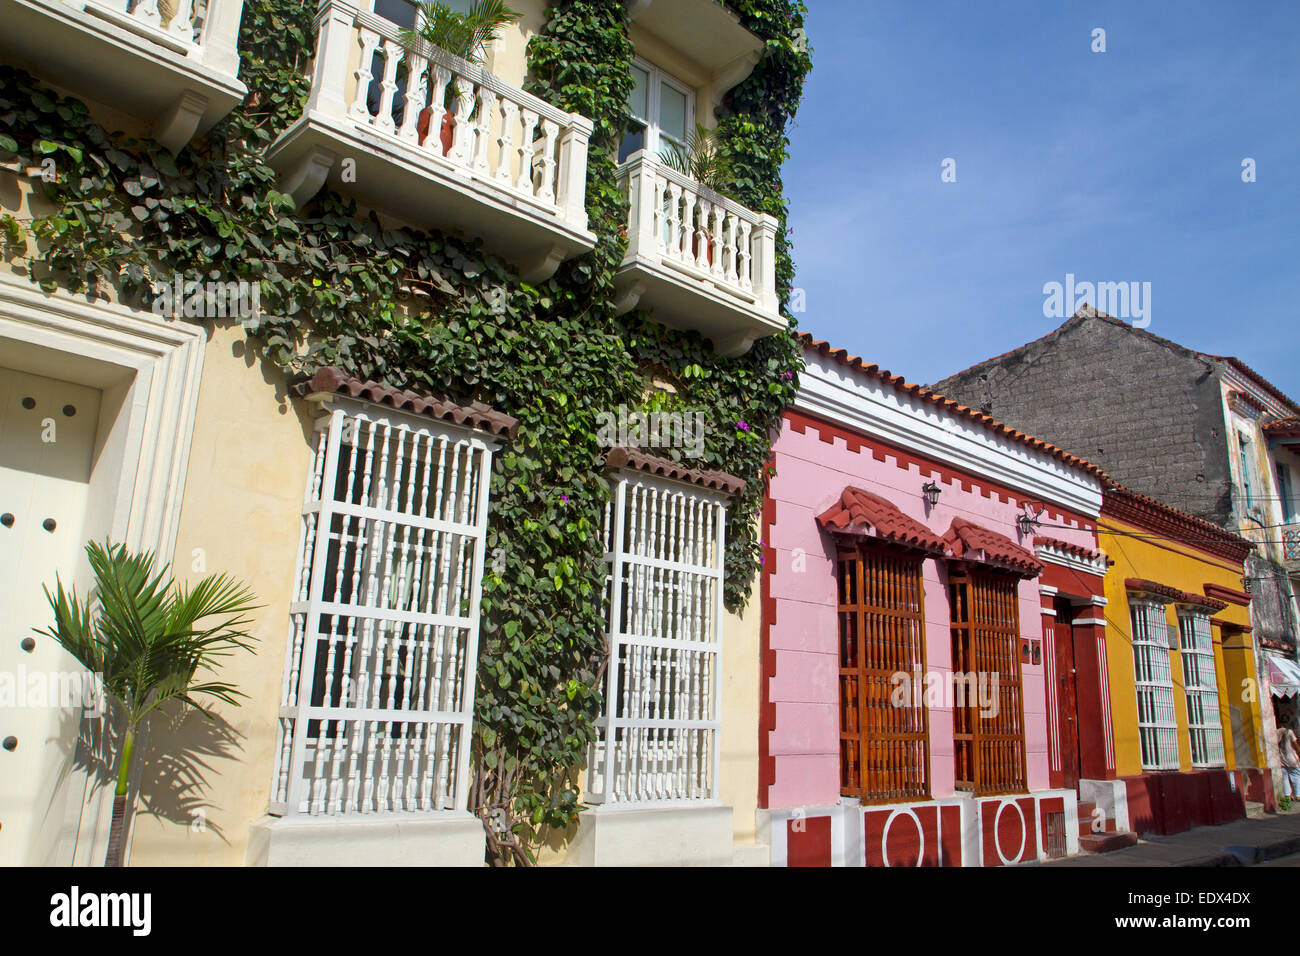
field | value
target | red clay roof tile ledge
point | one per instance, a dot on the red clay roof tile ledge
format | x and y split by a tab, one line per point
1078	550
964	537
842	357
334	381
621	456
859	510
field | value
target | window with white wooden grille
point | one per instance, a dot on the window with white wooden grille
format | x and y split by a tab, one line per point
1157	723
379	672
658	738
1201	683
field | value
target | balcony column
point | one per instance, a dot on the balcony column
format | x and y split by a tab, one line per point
765	262
335	23
571	196
221	35
642	173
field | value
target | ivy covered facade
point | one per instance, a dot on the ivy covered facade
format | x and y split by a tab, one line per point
405	446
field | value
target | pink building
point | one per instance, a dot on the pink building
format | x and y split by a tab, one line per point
917	553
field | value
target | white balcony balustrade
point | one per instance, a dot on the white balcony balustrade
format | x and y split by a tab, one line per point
171	64
697	259
437	142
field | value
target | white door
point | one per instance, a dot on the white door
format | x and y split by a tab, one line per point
47	447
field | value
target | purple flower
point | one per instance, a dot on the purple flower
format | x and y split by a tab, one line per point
564	498
742	426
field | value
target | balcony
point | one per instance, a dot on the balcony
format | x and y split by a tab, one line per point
505	166
173	69
697	260
1291	547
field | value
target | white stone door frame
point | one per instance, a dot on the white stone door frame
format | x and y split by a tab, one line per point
148	370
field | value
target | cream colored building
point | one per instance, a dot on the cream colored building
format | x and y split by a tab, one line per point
174	436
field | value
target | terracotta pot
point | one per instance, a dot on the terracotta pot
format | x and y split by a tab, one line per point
701	233
446	134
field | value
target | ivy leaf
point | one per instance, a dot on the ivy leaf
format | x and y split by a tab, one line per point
8	143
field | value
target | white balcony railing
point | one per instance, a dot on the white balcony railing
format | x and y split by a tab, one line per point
205	30
685	234
1291	545
707	236
172	64
511	146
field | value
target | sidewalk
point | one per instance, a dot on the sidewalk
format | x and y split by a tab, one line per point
1244	842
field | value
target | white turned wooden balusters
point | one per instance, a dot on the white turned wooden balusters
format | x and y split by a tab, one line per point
681	223
501	134
202	29
379	671
657	742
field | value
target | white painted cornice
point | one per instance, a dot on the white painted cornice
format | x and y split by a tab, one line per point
868	405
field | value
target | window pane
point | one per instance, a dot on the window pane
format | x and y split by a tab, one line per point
636	101
633	139
672	112
399	11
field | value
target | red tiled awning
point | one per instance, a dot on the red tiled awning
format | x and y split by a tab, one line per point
861	512
975	542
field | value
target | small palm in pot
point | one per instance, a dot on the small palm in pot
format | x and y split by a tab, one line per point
464	35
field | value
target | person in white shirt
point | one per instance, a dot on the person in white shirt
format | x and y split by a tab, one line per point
1290	751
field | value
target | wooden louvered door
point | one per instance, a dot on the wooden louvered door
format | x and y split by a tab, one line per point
988	708
1067	708
884	730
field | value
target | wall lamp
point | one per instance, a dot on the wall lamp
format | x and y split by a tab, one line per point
931	492
1027	523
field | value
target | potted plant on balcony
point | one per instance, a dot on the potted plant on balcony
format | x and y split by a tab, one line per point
146	641
703	160
463	35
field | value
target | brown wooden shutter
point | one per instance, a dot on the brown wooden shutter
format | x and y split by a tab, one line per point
884	743
989	746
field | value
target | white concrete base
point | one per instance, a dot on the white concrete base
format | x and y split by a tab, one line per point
698	835
1111	798
752	854
451	838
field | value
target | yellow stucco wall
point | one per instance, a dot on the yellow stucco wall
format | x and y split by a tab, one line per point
1187	569
241	514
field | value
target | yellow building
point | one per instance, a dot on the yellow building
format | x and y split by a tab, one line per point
1185	722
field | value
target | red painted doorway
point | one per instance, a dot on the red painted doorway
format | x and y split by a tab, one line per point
1067	700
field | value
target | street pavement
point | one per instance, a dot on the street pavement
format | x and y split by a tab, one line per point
1260	839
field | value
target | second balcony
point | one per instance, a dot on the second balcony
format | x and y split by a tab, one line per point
697	260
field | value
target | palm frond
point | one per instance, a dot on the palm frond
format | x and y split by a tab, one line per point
149	637
704	160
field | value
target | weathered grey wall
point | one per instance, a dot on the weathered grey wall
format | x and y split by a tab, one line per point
1145	410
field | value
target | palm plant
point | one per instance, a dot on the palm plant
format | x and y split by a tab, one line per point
145	643
460	34
703	159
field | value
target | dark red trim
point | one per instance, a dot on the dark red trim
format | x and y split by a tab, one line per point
1226	594
767	656
1124	504
827	432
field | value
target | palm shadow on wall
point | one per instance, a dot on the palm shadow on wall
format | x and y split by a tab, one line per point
176	757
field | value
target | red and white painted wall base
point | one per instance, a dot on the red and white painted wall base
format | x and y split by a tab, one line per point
949	831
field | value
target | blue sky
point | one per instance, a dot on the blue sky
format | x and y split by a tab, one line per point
1115	166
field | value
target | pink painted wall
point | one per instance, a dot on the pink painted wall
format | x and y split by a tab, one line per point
810	476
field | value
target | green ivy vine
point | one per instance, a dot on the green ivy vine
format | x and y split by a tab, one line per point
435	311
